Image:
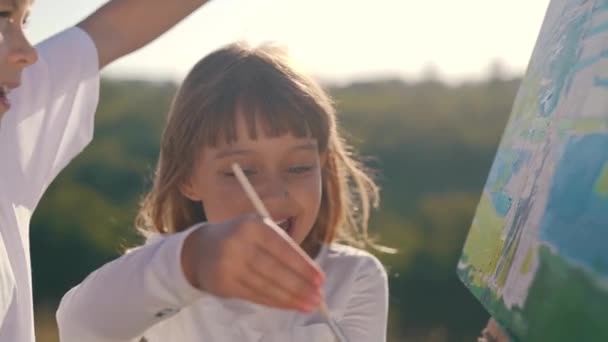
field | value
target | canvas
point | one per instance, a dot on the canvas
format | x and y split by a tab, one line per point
537	252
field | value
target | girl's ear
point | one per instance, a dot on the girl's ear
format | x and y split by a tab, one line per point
189	190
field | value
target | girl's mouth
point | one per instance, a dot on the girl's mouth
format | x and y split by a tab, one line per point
287	224
4	102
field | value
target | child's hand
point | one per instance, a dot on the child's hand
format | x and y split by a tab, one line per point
493	333
244	258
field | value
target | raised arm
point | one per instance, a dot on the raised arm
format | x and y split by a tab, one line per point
122	26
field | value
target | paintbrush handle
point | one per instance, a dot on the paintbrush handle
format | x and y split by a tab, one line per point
262	211
250	191
340	336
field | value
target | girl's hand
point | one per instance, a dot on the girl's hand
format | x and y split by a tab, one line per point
244	258
493	333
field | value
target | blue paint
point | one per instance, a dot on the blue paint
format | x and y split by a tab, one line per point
598	29
506	163
601	5
576	217
598	7
568	38
565	62
522	158
600	82
582	64
502	202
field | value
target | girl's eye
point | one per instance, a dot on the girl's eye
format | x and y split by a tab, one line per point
4	18
299	169
7	15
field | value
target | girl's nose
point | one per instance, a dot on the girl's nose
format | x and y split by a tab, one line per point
273	189
21	52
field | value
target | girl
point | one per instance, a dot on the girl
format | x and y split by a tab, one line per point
231	278
48	97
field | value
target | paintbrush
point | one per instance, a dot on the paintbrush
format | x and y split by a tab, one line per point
261	209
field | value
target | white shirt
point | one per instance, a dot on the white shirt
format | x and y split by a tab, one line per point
144	296
50	122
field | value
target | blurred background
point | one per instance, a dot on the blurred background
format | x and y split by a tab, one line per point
423	88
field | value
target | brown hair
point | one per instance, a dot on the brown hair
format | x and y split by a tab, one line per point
261	83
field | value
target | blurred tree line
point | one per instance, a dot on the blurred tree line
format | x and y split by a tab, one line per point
432	143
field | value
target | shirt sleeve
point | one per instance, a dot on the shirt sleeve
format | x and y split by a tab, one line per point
7	281
127	296
52	114
366	315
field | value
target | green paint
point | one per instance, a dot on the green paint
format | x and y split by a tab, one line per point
485	242
502	278
527	264
601	187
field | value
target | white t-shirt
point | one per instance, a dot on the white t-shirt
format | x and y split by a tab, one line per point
50	122
144	296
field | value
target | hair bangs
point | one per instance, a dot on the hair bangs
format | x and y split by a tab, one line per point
271	104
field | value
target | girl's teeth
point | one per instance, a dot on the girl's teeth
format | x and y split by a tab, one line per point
4	96
284	224
4	90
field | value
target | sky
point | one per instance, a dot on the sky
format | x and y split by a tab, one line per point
336	40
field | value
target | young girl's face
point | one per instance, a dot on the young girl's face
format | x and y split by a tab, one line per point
285	172
15	50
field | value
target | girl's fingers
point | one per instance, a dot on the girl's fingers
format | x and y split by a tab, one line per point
292	285
253	262
290	255
247	292
257	289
